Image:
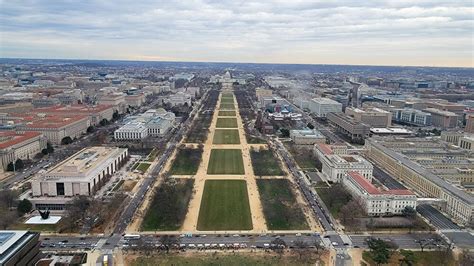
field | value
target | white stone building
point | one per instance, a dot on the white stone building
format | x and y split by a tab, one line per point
378	202
322	106
336	162
84	173
307	137
16	145
151	123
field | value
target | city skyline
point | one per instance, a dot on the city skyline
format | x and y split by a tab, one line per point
409	33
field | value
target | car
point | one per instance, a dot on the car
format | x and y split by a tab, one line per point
335	244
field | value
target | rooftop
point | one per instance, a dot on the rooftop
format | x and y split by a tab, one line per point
402	159
325	101
10	138
82	162
371	189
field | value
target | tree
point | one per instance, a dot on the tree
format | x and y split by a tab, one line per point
409	257
116	115
10	167
285	133
409	212
168	241
66	140
7	218
19	164
466	258
49	147
44	151
300	248
8	198
278	245
379	250
90	129
104	122
24	206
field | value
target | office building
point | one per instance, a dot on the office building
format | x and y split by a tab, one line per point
153	123
443	119
412	160
179	98
411	116
349	126
307	137
55	127
452	137
336	162
135	100
84	173
322	106
378	202
19	248
467	142
19	145
469	124
374	117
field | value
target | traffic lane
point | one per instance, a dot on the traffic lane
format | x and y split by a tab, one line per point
230	239
386	179
461	239
435	217
402	241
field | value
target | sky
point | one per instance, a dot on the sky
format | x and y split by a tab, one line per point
359	32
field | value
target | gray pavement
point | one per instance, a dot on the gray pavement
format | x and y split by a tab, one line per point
436	218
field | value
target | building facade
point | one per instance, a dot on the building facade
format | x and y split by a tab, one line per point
322	106
349	126
307	137
84	173
459	204
374	117
443	119
378	202
336	162
19	145
19	248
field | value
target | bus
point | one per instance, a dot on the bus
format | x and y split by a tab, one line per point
131	237
105	260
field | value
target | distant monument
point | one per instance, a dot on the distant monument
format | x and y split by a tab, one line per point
44	215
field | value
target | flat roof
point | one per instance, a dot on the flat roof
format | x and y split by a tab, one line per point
9	238
83	161
459	193
371	189
325	101
386	130
10	138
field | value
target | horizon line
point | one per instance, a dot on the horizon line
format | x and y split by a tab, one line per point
229	62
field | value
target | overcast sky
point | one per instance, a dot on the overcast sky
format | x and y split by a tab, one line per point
394	32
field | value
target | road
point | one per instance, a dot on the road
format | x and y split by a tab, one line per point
385	179
407	241
435	217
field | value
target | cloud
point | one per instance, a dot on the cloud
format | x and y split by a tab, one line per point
296	31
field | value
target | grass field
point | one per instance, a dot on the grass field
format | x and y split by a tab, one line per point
227	113
227	106
168	208
226	122
225	206
186	162
279	205
265	163
227	94
143	167
226	161
226	136
227	100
